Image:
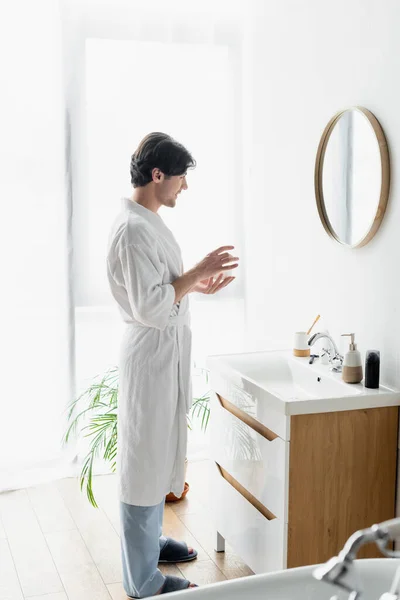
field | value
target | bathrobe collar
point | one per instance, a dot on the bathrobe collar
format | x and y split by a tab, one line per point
150	216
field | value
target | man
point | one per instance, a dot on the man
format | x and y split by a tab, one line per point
146	277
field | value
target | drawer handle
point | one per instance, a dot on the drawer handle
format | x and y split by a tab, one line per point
246	494
247	419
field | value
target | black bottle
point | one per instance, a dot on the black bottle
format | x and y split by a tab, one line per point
372	364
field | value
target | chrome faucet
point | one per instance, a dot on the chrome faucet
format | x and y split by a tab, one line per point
335	358
340	570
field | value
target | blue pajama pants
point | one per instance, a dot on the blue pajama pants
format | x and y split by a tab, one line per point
141	542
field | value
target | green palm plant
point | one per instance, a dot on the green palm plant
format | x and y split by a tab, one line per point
98	405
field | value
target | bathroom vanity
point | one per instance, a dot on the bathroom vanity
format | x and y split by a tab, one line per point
300	459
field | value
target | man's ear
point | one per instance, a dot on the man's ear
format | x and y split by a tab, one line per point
157	175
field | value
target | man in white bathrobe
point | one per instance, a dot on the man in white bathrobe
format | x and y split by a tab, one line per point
145	272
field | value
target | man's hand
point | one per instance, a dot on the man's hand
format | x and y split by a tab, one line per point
211	285
216	263
207	277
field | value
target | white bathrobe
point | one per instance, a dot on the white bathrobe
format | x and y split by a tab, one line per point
155	359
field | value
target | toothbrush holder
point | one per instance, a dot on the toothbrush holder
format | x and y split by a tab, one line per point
300	344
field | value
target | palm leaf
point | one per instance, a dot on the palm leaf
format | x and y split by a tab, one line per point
201	409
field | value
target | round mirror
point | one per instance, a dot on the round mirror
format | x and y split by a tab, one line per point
352	177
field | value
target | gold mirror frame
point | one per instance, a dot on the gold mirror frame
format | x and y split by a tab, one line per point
385	176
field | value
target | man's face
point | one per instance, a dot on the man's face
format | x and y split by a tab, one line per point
168	189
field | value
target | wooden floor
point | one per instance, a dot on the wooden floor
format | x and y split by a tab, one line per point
55	546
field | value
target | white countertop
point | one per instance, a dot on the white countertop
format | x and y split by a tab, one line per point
292	386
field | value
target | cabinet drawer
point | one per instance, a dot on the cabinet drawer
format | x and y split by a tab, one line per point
258	460
259	541
250	399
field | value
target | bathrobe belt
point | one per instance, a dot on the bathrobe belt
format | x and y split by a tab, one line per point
182	324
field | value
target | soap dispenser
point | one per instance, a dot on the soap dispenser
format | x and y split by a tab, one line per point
352	371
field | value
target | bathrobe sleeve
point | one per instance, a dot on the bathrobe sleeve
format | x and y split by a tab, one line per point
150	299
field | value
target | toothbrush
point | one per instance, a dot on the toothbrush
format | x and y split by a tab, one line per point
309	331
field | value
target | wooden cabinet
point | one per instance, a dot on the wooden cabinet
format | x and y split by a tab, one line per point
289	490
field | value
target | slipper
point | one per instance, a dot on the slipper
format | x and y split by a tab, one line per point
176	552
172	584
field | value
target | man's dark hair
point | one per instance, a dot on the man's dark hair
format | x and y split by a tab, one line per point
159	151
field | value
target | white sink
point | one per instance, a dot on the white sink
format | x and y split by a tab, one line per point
293	386
375	576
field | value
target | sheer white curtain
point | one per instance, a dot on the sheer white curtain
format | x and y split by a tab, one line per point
35	329
86	80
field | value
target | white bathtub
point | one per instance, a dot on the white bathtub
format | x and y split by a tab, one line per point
375	574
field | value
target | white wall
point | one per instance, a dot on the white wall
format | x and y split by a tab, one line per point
307	60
